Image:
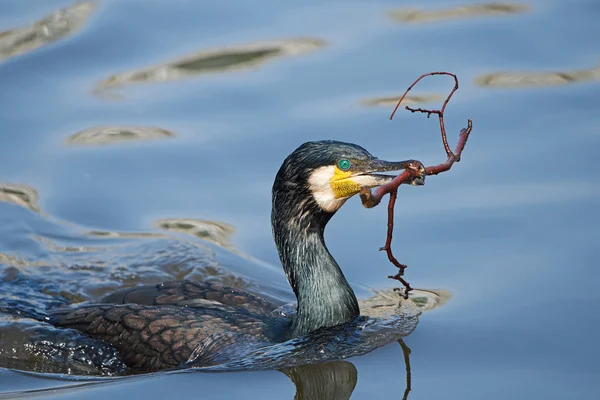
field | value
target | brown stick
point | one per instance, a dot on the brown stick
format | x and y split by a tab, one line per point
415	173
440	113
388	243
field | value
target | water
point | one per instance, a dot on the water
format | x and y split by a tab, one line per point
223	93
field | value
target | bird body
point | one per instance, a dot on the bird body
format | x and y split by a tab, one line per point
177	323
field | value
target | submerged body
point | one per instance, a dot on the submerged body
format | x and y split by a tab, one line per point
180	323
176	323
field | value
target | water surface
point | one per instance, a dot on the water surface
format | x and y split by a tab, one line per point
122	121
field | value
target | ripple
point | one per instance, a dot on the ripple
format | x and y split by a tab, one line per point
389	302
21	195
76	264
219	60
47	30
55	351
390	101
415	16
520	79
102	135
70	273
215	232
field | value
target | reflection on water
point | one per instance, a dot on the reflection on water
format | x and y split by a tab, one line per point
45	31
102	135
234	58
538	78
331	381
406	353
335	380
215	232
387	302
390	101
21	195
124	235
412	16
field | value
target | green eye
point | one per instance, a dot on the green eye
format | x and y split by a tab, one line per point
344	164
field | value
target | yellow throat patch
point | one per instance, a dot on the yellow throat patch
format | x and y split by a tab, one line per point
342	185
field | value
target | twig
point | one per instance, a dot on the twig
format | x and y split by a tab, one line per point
440	113
415	172
388	243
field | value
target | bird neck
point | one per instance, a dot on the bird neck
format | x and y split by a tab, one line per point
324	296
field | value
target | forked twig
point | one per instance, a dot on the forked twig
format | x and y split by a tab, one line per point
440	113
415	172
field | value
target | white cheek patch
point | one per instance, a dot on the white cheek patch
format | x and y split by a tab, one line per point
320	186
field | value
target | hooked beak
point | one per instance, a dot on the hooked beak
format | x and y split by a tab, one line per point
346	184
370	177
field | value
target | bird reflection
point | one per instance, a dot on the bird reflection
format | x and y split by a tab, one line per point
330	381
335	380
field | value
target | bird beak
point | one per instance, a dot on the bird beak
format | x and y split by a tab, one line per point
370	177
345	184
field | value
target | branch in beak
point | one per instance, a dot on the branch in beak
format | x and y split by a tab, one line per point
369	178
414	174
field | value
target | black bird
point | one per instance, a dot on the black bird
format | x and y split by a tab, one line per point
177	323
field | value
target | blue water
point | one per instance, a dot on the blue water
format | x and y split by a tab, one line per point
511	231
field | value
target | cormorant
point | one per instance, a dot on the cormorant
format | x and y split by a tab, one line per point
175	323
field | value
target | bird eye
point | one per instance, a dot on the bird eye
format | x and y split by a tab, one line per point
344	164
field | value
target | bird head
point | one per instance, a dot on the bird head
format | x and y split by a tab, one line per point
318	177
